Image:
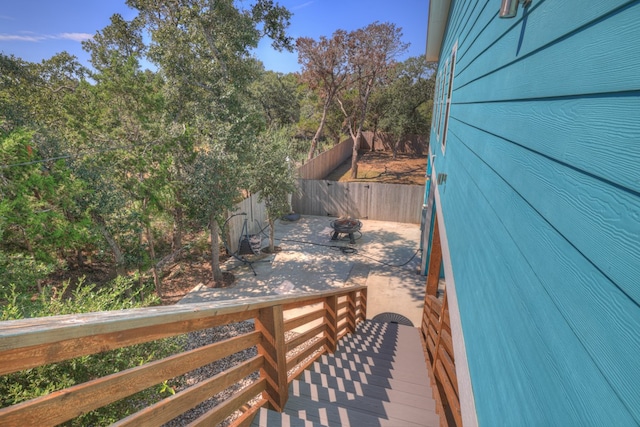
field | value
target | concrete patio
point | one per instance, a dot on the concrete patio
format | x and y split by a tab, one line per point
386	258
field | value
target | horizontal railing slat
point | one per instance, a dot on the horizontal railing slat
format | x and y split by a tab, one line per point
43	354
452	397
216	415
175	405
295	360
296	322
305	336
63	405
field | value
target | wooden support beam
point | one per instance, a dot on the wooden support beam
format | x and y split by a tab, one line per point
270	323
435	262
331	319
362	313
351	312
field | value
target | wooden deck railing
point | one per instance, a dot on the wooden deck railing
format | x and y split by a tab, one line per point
436	334
29	343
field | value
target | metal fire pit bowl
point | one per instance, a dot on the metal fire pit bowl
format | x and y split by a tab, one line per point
345	226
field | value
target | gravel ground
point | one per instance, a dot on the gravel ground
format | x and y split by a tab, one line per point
205	337
209	336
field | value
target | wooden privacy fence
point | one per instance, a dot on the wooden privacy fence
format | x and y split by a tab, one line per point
436	334
411	144
321	165
28	343
375	201
255	214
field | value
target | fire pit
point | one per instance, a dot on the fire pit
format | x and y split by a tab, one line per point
345	226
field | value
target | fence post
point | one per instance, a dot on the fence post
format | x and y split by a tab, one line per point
270	323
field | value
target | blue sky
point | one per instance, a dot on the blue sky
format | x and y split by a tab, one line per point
37	29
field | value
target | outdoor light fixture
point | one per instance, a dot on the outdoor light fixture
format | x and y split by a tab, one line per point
509	8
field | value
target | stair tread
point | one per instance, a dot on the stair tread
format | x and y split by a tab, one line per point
399	382
405	369
396	409
269	418
332	414
409	398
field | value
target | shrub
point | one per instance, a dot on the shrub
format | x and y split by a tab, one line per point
124	293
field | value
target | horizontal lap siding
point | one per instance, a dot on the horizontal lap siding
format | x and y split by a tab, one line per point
542	209
526	361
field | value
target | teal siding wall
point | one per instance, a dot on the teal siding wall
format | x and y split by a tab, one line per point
541	207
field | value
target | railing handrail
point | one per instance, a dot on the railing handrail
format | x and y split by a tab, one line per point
15	334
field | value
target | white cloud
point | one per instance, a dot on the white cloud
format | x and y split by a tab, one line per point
32	37
7	18
14	37
79	37
300	6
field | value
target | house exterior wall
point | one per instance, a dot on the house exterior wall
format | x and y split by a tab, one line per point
539	197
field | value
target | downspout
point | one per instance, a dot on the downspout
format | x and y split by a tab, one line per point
426	237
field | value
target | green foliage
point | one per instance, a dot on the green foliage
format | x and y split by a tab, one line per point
122	294
405	100
273	177
37	201
20	275
278	97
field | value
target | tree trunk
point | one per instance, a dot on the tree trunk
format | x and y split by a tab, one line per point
395	147
118	256
272	246
178	215
373	138
316	137
354	155
79	258
152	253
216	272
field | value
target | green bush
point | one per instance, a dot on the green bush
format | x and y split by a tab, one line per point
121	294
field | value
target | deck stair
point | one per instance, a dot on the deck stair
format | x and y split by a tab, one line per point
377	377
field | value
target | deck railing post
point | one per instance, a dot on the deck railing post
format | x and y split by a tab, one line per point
439	333
362	312
435	262
270	323
331	319
351	311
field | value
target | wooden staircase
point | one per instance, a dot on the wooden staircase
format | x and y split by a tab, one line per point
377	377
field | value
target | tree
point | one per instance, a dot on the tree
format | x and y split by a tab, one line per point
278	97
325	70
273	178
134	107
34	213
213	182
203	51
370	54
407	98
